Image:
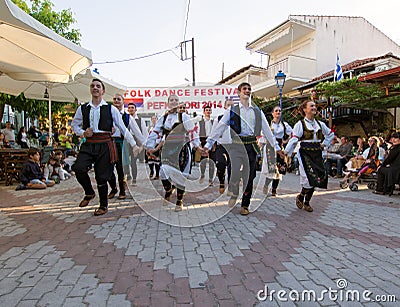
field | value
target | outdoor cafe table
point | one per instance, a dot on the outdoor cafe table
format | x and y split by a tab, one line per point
11	160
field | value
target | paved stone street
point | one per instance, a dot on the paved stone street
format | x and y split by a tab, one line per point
53	253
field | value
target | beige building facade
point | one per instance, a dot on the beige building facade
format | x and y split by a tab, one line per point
306	46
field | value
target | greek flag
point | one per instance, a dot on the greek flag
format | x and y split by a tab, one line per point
338	75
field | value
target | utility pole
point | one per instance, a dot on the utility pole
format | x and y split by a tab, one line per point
193	74
223	68
184	57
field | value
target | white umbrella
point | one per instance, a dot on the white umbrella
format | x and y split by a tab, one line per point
32	52
77	89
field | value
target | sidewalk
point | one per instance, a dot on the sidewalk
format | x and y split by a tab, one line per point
53	253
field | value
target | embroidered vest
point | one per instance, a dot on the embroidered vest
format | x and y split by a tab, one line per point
235	120
202	125
105	121
125	118
139	123
181	129
309	134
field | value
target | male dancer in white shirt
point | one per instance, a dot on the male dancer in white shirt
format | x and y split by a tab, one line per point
130	124
94	121
246	122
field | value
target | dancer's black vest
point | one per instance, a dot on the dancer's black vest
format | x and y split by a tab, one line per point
235	120
105	121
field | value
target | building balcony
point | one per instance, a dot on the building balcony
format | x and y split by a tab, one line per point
298	70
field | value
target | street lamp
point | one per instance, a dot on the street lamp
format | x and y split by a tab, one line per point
280	82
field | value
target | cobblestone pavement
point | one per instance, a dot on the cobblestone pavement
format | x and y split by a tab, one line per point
53	253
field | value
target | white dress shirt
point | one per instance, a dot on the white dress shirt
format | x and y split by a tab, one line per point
133	128
248	121
143	127
208	126
313	126
278	130
94	117
171	119
225	137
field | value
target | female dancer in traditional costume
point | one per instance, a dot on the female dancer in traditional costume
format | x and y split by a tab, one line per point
313	136
279	129
174	128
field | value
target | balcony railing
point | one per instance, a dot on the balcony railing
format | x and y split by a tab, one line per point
292	66
274	68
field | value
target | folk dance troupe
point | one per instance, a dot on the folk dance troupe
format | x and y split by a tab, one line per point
174	136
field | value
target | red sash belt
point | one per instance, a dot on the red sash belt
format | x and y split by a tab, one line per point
105	137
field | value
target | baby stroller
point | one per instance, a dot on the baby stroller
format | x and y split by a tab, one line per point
360	171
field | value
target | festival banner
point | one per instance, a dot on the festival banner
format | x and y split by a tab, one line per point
153	100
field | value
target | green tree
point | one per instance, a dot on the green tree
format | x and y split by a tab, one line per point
59	22
353	93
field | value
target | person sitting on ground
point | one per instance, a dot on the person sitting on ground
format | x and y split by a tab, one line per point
389	170
65	167
53	170
31	175
68	162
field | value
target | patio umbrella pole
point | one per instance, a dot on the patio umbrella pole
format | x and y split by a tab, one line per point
50	125
50	128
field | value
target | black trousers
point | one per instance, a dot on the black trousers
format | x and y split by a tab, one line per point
211	159
120	170
223	163
243	155
98	155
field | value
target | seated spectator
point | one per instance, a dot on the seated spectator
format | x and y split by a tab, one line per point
372	159
361	146
66	168
343	154
380	152
53	170
44	138
22	138
383	144
69	161
334	146
34	133
56	134
65	140
32	176
9	134
3	141
389	170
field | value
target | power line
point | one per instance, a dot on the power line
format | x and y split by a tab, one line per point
138	58
186	22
